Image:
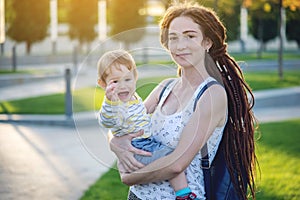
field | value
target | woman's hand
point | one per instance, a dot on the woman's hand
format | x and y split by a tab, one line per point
123	149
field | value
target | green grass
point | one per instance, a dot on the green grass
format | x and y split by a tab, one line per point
89	99
50	104
278	153
279	157
270	55
270	80
109	187
27	71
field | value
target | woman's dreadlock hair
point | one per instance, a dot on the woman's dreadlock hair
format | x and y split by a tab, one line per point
238	134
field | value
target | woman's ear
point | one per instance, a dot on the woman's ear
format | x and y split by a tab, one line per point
207	43
101	83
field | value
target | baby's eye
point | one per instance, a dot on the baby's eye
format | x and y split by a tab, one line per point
128	79
115	81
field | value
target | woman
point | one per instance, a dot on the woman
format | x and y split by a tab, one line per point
194	36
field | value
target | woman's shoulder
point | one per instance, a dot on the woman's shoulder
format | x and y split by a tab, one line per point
167	81
167	84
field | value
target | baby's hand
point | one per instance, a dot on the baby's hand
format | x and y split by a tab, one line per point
110	91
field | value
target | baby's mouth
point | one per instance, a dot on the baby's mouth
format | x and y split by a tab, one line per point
123	95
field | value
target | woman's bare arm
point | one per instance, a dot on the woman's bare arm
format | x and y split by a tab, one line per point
210	113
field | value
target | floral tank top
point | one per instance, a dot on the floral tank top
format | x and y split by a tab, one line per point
167	130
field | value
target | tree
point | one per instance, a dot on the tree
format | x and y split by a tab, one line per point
126	18
293	25
227	10
82	18
264	21
229	13
29	21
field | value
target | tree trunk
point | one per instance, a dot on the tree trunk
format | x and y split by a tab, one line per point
260	36
28	47
281	33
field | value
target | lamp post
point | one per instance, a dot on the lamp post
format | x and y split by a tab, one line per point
281	34
2	26
53	22
102	24
244	28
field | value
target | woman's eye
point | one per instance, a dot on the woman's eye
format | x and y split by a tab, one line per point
172	38
191	36
115	81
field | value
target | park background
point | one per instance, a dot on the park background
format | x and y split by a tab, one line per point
40	41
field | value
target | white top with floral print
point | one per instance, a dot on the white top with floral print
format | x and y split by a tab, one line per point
167	129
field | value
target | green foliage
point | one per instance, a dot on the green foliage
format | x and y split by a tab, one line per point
63	6
231	19
264	20
293	25
9	11
82	18
28	21
125	19
228	12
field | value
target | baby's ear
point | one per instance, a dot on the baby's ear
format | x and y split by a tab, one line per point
101	83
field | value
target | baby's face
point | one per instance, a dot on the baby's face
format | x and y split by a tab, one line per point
123	80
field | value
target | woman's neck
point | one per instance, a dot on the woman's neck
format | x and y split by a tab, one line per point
193	76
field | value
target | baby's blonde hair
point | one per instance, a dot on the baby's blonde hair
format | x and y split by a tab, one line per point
115	58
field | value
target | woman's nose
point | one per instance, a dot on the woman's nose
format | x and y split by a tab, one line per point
182	43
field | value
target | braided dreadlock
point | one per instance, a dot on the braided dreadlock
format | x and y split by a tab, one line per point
239	131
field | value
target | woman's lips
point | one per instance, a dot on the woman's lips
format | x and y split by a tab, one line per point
182	55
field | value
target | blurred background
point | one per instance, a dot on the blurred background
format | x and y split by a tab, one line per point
62	27
51	146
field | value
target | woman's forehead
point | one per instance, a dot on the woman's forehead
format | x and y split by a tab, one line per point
183	25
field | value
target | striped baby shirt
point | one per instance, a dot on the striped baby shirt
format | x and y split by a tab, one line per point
124	118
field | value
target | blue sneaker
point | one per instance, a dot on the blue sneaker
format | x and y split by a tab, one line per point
190	196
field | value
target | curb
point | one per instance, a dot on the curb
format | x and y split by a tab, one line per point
12	80
55	120
82	119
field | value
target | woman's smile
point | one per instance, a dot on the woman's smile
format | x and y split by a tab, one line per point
182	54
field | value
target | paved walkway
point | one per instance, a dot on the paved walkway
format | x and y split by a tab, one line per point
42	161
50	162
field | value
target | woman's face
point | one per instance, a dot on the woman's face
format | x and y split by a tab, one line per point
185	42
